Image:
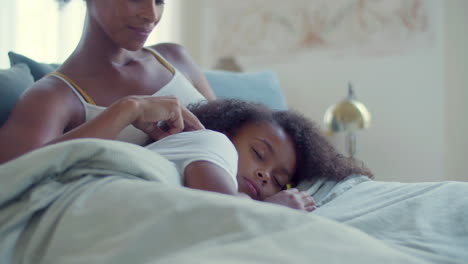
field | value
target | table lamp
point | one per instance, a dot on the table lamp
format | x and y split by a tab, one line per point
347	116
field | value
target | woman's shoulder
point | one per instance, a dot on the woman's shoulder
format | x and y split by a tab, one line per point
50	92
177	56
50	87
173	52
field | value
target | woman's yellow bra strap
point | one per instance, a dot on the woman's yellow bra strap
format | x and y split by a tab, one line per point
77	88
161	60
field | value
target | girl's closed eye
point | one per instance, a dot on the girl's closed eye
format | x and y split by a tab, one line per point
277	182
160	2
257	154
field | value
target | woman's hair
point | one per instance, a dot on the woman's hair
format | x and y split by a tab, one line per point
316	157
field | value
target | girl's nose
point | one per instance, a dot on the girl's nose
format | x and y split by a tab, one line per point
264	177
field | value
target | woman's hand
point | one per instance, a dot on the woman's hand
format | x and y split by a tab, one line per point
293	198
161	116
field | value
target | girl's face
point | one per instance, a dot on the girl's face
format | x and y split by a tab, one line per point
127	23
267	159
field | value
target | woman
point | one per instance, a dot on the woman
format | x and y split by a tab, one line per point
109	83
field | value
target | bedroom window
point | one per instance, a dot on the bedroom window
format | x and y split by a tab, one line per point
39	30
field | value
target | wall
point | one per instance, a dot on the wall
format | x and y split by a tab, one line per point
418	101
191	28
456	65
404	94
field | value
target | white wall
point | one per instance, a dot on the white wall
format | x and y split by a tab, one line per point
456	68
418	100
404	94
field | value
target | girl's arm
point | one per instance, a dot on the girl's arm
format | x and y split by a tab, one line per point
204	175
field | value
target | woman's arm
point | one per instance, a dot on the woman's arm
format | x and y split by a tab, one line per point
43	114
143	112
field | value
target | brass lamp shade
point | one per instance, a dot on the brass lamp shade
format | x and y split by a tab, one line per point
348	115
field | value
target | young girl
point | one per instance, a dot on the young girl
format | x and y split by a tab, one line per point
255	151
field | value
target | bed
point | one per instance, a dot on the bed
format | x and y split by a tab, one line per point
100	201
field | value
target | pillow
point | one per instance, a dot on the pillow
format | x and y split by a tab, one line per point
260	87
38	70
13	82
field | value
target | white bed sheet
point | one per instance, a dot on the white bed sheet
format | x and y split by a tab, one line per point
426	220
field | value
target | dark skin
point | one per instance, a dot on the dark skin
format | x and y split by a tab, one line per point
110	65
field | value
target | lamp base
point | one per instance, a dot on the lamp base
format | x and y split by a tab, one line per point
351	144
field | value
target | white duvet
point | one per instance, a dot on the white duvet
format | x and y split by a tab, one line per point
427	220
97	201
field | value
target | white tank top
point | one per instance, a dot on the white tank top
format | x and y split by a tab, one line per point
178	86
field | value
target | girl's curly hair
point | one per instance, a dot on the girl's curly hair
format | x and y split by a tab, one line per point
229	115
316	157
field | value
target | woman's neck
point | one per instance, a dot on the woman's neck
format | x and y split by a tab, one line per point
98	48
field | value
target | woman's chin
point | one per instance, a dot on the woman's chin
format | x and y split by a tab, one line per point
134	45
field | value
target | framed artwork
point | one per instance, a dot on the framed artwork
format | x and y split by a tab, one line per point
270	27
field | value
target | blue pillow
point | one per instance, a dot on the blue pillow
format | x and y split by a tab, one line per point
260	87
13	82
38	70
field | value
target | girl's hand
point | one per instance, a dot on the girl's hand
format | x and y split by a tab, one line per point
162	116
293	198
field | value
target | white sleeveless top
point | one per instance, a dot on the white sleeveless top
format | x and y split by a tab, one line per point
178	86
